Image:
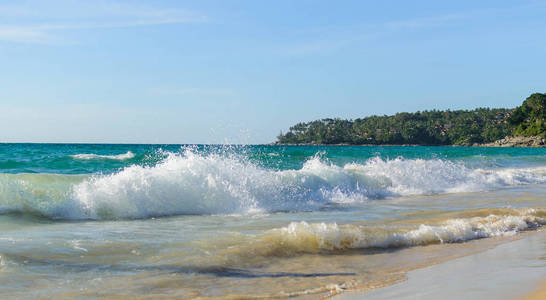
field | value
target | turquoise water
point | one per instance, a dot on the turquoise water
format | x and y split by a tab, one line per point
68	181
59	158
185	221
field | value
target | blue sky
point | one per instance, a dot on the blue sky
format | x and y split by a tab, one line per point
242	71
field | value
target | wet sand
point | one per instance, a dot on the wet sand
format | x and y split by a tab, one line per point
538	294
513	270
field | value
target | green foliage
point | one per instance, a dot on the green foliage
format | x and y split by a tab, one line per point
423	128
460	127
528	119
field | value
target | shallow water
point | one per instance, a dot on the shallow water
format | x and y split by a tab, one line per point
240	221
505	272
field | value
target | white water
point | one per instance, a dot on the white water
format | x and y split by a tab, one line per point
313	237
192	183
89	156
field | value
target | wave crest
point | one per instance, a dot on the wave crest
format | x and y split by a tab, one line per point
194	183
303	237
89	156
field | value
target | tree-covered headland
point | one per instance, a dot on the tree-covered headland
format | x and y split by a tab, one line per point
435	127
528	119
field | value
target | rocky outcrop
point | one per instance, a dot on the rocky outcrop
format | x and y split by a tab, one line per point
518	141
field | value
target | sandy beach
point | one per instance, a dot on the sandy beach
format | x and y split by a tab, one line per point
538	294
513	270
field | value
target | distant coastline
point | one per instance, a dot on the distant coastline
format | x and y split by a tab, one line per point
523	126
509	141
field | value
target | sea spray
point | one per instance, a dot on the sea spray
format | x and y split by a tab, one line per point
192	182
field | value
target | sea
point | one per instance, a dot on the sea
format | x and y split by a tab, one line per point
108	221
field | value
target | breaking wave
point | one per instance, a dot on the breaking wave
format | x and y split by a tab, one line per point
194	183
89	156
303	237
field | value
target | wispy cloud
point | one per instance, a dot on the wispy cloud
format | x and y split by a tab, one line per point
334	38
39	22
25	35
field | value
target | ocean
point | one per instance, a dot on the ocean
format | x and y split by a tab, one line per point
240	221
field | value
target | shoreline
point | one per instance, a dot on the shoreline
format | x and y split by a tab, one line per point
537	294
507	142
511	270
406	145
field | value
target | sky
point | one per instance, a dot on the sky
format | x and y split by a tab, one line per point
241	71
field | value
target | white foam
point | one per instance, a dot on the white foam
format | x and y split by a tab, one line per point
419	176
89	156
312	237
195	183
